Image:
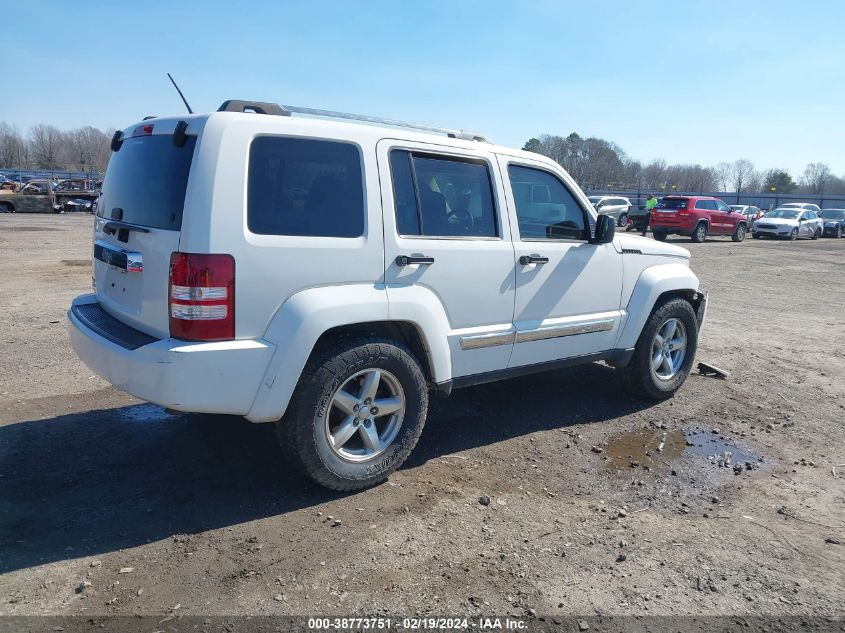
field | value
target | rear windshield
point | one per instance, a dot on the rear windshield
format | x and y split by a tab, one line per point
146	181
673	203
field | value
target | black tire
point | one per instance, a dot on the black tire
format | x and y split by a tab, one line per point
302	430
700	233
623	220
838	231
6	207
794	235
755	236
638	375
660	236
739	232
817	234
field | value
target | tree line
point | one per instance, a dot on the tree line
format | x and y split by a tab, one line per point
47	147
598	164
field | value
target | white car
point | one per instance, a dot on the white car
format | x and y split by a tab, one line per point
800	205
325	275
789	223
614	206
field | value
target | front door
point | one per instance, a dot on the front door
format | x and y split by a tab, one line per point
727	218
448	247
568	291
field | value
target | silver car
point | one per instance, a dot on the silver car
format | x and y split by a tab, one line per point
789	223
614	206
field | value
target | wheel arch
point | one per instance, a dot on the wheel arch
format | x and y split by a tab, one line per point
312	316
9	204
655	285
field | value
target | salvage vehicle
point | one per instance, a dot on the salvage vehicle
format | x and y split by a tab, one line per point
834	222
43	196
696	217
326	275
750	212
614	206
789	223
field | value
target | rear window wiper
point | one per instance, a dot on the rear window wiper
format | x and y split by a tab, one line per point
113	226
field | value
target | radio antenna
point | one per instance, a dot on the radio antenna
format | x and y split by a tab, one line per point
185	101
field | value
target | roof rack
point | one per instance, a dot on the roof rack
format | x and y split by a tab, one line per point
286	110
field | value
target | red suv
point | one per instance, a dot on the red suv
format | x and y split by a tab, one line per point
698	217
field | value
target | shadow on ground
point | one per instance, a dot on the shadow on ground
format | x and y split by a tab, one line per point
87	483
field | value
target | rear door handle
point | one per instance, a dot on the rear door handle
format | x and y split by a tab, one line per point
533	259
405	260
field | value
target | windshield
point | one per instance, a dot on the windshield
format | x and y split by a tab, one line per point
673	203
146	180
787	214
833	214
738	207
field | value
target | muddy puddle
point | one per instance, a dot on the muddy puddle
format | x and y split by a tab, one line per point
656	449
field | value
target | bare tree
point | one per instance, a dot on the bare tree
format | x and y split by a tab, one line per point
12	146
44	142
815	178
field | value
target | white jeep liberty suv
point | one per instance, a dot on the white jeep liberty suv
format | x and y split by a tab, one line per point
325	274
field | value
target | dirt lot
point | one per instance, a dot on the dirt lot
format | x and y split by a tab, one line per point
204	513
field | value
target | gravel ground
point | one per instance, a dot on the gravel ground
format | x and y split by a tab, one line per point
532	496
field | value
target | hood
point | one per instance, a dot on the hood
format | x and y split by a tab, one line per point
778	222
648	246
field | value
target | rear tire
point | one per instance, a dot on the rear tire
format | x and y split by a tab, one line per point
700	233
755	236
623	220
336	376
739	233
639	375
660	236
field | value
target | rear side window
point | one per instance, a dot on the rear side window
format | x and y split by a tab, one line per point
673	203
305	187
707	205
442	197
146	181
544	206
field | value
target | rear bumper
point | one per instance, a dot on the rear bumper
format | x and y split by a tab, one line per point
221	377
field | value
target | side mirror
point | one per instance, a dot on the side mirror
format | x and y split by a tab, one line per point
605	230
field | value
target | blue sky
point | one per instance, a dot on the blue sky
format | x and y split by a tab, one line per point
686	81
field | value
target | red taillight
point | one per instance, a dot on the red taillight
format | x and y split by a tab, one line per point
202	297
683	212
143	130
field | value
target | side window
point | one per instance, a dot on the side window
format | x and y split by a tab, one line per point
442	197
544	207
305	187
701	204
811	215
722	206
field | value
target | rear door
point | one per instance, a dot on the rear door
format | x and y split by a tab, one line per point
443	211
138	226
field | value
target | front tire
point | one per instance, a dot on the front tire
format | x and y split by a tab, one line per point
665	351
794	235
739	233
700	233
357	412
817	234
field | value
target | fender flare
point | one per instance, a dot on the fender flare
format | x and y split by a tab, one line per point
308	314
653	282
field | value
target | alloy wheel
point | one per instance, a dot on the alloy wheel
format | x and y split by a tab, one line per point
668	349
365	415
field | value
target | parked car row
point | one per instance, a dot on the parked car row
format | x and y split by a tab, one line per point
699	217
